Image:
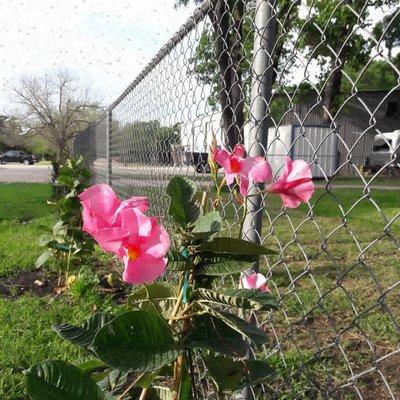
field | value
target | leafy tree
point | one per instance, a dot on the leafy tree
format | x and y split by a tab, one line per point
329	35
379	75
389	31
142	141
226	45
11	135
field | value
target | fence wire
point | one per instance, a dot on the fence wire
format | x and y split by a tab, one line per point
317	80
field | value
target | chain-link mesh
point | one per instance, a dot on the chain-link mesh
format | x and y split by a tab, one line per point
317	80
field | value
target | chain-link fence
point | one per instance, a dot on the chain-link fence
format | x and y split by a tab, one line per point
317	80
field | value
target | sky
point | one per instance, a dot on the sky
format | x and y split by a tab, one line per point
105	43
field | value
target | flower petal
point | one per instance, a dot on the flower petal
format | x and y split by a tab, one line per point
261	170
158	242
102	200
111	239
144	269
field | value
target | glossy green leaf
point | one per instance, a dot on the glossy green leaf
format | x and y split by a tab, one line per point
83	335
183	207
43	258
177	262
136	341
241	298
160	295
208	332
222	266
58	380
185	386
249	330
207	224
229	375
234	246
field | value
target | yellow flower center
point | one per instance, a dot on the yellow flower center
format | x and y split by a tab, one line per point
133	252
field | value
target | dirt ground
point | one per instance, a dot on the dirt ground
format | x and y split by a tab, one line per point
15	172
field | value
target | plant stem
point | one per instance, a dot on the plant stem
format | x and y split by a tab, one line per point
126	391
144	393
243	217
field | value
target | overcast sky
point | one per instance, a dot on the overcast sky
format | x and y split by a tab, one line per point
104	42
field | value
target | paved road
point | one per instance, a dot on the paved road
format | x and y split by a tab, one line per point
15	172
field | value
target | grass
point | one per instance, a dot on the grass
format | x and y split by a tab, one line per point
24	216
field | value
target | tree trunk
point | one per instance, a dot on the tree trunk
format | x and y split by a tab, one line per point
331	92
228	56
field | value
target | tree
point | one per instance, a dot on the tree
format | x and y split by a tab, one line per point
57	108
329	35
228	48
10	133
389	31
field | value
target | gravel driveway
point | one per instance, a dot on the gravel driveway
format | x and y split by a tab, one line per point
15	172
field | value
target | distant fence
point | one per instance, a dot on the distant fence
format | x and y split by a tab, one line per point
316	80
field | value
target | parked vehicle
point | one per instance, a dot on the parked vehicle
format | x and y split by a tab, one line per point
385	151
17	156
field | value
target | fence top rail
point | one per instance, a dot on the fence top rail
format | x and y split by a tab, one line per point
190	24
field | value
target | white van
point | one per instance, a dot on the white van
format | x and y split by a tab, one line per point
385	151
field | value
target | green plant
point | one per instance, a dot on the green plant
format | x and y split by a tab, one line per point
150	347
67	238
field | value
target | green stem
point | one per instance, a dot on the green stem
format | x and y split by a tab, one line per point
243	217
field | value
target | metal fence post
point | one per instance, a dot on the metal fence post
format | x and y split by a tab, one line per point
108	146
261	88
257	141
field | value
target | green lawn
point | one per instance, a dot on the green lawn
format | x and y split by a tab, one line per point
24	216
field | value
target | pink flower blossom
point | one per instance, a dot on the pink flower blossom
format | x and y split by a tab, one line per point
121	227
294	185
255	281
101	207
237	166
144	249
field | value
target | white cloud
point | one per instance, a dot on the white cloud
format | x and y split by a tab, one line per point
105	42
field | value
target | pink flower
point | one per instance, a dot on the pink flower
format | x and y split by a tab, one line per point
101	208
143	250
242	168
122	228
255	281
294	185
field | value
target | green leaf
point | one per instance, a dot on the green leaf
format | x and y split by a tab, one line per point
221	265
207	225
58	380
234	246
229	375
83	336
90	366
183	208
249	330
43	258
160	393
136	341
160	295
214	334
177	262
153	291
241	298
45	239
185	386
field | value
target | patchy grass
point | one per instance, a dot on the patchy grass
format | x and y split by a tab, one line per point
24	216
27	337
